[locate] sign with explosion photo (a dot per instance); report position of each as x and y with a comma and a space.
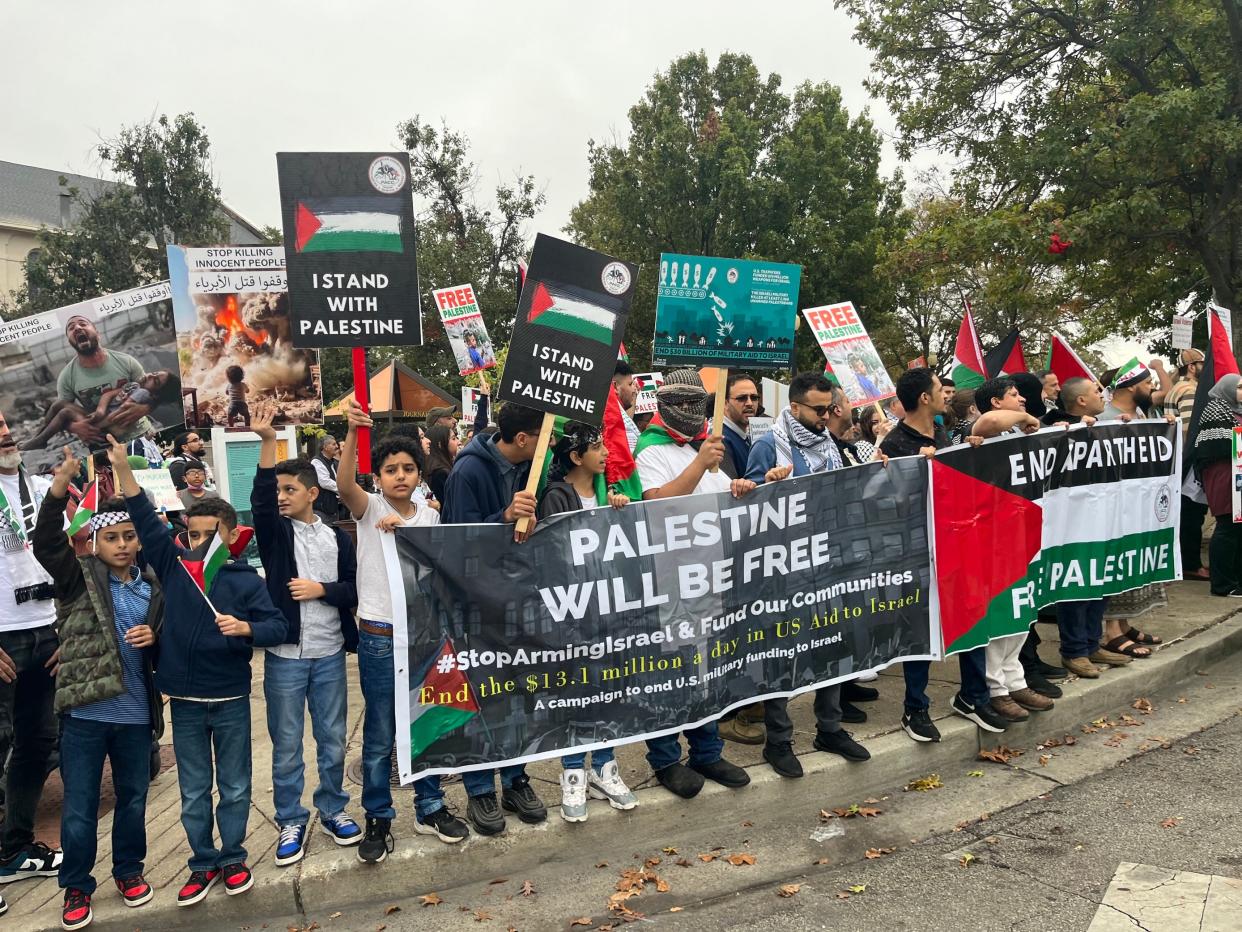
231, 305
71, 376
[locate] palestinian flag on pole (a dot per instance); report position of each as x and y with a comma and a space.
570, 315
1006, 358
1065, 363
623, 355
204, 562
1220, 341
86, 509
349, 224
969, 369
441, 700
1022, 523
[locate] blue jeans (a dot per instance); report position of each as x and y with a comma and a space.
84, 745
289, 686
478, 782
578, 761
973, 667
705, 742
1081, 625
198, 727
379, 731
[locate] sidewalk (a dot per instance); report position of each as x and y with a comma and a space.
1196, 627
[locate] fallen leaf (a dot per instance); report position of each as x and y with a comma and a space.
1070, 739
874, 853
930, 782
1191, 749
380, 928
1171, 822
858, 888
669, 850
789, 889
528, 888
682, 862
498, 880
661, 885
582, 921
820, 861
336, 915
718, 848
871, 801
869, 812
707, 858
843, 895
825, 815
967, 859
653, 861
1001, 754
431, 899
1043, 759
1143, 705
737, 860
675, 909
617, 899
748, 824
974, 773
961, 825
602, 864
481, 916
389, 910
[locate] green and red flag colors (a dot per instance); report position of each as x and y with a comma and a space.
86, 509
1220, 341
563, 313
442, 700
1065, 363
349, 224
1021, 523
969, 369
203, 562
1006, 357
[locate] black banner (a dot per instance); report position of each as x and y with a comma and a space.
612, 625
350, 248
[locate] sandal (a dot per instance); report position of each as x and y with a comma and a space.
1142, 637
1118, 645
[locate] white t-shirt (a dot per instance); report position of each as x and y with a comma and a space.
316, 554
659, 465
18, 566
374, 597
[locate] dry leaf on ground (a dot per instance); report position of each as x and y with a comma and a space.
528, 888
789, 889
1171, 822
821, 861
389, 910
858, 888
1001, 754
481, 915
737, 860
873, 853
498, 880
675, 909
682, 862
669, 850
967, 859
974, 773
582, 921
1143, 705
1043, 759
707, 858
430, 899
336, 915
930, 782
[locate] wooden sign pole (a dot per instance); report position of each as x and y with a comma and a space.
722, 391
362, 394
536, 466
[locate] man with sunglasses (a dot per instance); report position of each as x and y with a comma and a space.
741, 404
800, 444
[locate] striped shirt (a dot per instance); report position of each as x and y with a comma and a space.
130, 601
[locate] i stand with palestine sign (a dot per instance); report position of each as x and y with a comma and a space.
350, 248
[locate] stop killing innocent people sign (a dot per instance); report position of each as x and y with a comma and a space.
350, 248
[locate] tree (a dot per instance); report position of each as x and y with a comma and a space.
165, 195
718, 161
1117, 124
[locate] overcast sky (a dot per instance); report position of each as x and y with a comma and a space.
529, 83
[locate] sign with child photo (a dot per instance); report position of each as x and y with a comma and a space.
851, 356
462, 319
73, 375
570, 320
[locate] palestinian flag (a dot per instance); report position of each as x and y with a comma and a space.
1220, 341
620, 469
204, 562
85, 510
349, 224
1065, 363
571, 315
441, 700
969, 369
1006, 358
623, 354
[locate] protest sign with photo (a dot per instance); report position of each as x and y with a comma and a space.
76, 374
852, 359
727, 313
234, 338
349, 231
646, 383
613, 625
569, 323
463, 325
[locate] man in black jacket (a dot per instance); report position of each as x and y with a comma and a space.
311, 570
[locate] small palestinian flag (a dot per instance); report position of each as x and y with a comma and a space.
204, 562
969, 369
570, 315
623, 355
441, 700
1065, 363
1006, 358
86, 509
349, 224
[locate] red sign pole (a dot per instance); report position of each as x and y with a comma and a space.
362, 394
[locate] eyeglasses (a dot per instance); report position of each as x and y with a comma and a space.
745, 398
820, 410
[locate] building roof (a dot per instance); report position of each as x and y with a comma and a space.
398, 389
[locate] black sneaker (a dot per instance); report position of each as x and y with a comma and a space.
680, 780
34, 860
1046, 670
843, 743
377, 841
919, 726
724, 773
1042, 686
851, 713
485, 815
444, 825
783, 760
853, 691
521, 799
981, 715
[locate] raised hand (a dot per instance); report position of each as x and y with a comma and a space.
261, 420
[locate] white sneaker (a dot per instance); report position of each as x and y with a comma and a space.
573, 796
607, 784
868, 677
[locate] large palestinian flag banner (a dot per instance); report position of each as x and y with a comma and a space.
1024, 522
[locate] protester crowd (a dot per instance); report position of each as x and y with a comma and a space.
87, 658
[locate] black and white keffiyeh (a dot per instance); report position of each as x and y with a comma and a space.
819, 451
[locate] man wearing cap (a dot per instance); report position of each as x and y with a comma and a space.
446, 416
94, 369
1181, 401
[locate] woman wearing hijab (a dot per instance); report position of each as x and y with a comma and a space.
1213, 459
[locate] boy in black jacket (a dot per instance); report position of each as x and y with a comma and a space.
311, 570
204, 669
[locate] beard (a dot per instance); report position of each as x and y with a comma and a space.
86, 346
11, 459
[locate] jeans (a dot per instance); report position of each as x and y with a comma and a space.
28, 727
779, 725
479, 782
198, 727
973, 667
85, 744
1225, 553
1190, 534
599, 758
705, 742
289, 686
379, 731
1082, 626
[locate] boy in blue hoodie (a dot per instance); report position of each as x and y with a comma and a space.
204, 669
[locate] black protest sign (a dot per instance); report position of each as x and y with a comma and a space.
614, 625
350, 248
570, 319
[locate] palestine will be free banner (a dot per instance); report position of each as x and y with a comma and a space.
1057, 516
613, 625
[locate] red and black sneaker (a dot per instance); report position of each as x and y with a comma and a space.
237, 878
196, 887
77, 912
134, 890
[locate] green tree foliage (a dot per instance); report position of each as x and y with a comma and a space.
719, 161
1115, 124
